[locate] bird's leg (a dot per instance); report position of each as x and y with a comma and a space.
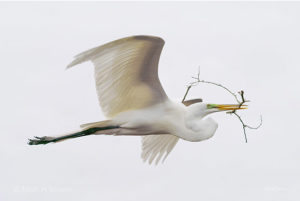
47, 139
41, 140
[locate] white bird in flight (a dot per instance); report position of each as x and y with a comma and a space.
134, 102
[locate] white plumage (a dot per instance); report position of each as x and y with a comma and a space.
157, 146
126, 73
130, 64
133, 100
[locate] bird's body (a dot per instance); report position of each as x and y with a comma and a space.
165, 118
134, 102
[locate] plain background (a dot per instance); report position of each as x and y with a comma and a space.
249, 46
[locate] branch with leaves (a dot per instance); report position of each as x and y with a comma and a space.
240, 99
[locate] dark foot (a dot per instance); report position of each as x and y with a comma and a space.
40, 140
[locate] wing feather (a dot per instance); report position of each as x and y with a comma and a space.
126, 73
157, 146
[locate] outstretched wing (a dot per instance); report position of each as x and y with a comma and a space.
157, 146
126, 73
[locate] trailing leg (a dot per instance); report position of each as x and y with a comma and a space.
89, 131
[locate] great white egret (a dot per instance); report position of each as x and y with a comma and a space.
134, 102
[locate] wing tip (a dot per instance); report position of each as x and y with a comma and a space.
192, 101
73, 63
84, 56
77, 60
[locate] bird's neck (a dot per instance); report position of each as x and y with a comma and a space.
200, 127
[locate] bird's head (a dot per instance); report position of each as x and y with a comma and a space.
196, 120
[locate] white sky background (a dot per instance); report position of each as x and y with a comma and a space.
249, 46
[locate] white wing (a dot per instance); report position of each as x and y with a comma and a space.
126, 73
157, 146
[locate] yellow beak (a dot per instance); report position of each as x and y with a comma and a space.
231, 107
